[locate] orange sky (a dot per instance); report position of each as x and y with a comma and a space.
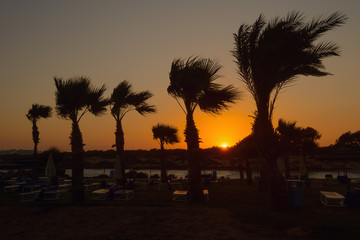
115, 40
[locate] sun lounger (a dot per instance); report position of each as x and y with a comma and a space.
100, 194
65, 187
124, 195
181, 195
332, 199
92, 186
54, 195
30, 188
12, 188
30, 196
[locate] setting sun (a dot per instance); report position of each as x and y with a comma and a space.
224, 145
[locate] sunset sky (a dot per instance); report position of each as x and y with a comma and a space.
110, 41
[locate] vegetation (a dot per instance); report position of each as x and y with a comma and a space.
295, 140
349, 139
269, 56
35, 113
192, 81
245, 152
74, 98
123, 100
165, 134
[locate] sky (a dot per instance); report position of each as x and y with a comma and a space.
112, 41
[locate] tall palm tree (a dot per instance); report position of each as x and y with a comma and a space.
192, 81
74, 98
35, 113
165, 134
123, 100
270, 55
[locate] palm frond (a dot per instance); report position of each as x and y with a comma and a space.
218, 98
75, 97
38, 111
165, 133
270, 55
97, 102
124, 99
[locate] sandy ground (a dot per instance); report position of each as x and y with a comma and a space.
119, 222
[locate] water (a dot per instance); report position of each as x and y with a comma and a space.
220, 173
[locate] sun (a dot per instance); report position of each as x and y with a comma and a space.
224, 146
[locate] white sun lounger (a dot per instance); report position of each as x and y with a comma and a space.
29, 196
100, 194
181, 195
332, 199
55, 195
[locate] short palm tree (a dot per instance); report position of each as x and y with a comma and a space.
192, 81
165, 134
296, 141
288, 136
35, 113
270, 55
74, 98
123, 100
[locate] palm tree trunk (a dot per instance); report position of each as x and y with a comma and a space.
120, 143
267, 147
194, 169
77, 148
35, 135
162, 163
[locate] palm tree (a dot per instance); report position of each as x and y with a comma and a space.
35, 113
192, 81
308, 144
269, 56
165, 134
288, 136
123, 100
295, 140
74, 98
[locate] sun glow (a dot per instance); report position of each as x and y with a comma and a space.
224, 145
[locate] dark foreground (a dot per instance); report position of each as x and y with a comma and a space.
235, 211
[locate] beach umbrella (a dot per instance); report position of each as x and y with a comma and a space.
117, 168
50, 170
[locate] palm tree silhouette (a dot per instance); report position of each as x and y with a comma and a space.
193, 82
288, 135
35, 113
269, 56
74, 98
123, 100
165, 134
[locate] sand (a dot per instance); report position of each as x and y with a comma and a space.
119, 222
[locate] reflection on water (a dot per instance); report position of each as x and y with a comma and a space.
220, 173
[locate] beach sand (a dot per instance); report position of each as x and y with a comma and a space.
119, 222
